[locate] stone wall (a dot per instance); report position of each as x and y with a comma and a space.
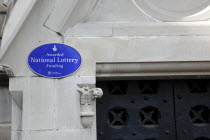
122, 31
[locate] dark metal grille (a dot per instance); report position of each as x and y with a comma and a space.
117, 88
192, 109
198, 86
199, 114
202, 138
118, 117
148, 87
149, 116
154, 110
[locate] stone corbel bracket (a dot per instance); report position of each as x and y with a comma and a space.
7, 70
87, 100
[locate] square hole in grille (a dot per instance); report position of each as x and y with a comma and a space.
118, 87
148, 87
149, 116
198, 86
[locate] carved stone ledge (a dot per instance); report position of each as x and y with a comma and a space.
87, 100
7, 70
160, 70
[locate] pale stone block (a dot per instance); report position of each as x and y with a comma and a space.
38, 107
179, 10
98, 29
68, 102
5, 131
2, 21
161, 29
139, 49
86, 134
60, 14
89, 30
74, 134
31, 35
68, 107
17, 110
37, 135
118, 11
5, 105
38, 104
16, 135
47, 104
14, 84
63, 16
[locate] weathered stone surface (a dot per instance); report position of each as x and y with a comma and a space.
31, 35
138, 29
74, 134
179, 10
139, 49
116, 31
5, 105
38, 106
16, 135
162, 29
67, 102
118, 11
90, 30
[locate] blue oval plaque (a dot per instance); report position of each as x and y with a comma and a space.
54, 60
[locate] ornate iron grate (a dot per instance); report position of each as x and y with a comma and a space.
149, 116
198, 86
202, 138
117, 117
199, 114
117, 88
148, 87
154, 110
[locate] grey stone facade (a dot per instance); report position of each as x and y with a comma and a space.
120, 39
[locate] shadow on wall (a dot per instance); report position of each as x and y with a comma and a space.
5, 108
